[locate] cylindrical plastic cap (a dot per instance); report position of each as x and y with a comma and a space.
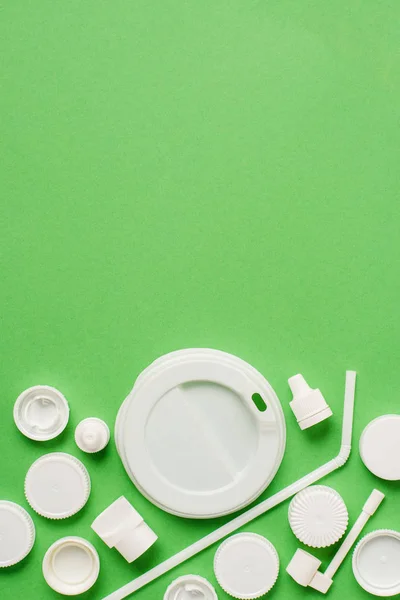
308, 405
246, 566
92, 435
71, 566
41, 413
120, 526
190, 586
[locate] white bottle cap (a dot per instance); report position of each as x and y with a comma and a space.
41, 413
92, 435
71, 566
380, 447
318, 516
308, 405
190, 587
120, 526
376, 563
57, 485
246, 566
303, 567
17, 533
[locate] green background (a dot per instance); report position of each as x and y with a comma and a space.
183, 174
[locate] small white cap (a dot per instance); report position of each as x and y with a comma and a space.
318, 516
380, 447
92, 435
376, 563
308, 405
246, 566
71, 566
303, 567
57, 485
120, 526
190, 586
41, 413
17, 533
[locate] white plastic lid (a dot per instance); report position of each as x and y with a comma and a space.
192, 438
318, 516
71, 566
57, 485
376, 563
41, 413
17, 533
120, 526
92, 435
190, 587
380, 447
246, 566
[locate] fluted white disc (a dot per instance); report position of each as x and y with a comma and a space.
318, 516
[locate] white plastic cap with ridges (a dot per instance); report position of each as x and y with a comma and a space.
57, 485
120, 526
246, 566
308, 405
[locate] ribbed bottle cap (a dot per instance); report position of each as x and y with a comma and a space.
57, 485
246, 566
41, 413
17, 533
318, 516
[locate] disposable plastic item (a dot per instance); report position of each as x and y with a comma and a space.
246, 566
255, 511
376, 563
57, 485
192, 438
41, 413
92, 435
380, 447
303, 567
17, 533
120, 526
318, 516
308, 405
190, 587
71, 566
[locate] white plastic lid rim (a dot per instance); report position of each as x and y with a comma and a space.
41, 413
186, 412
190, 587
71, 566
17, 533
376, 563
318, 516
57, 485
120, 526
92, 435
246, 566
380, 447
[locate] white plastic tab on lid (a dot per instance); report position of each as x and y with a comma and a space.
17, 533
57, 485
246, 566
376, 563
92, 435
190, 587
71, 566
318, 516
308, 405
41, 413
380, 447
120, 526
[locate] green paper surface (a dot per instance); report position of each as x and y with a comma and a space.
197, 174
